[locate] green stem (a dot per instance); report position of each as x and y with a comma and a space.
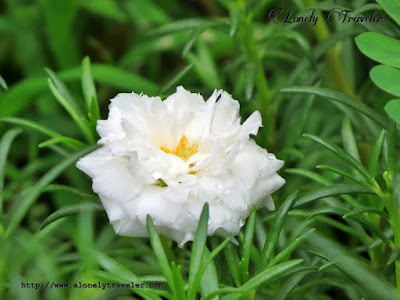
393, 211
332, 56
264, 95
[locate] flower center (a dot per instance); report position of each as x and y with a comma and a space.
184, 150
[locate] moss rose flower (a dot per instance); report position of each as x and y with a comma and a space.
168, 158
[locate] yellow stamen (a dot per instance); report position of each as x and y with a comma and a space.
184, 150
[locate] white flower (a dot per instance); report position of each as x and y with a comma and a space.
168, 158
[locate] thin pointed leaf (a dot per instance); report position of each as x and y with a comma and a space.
349, 141
199, 244
3, 83
174, 80
5, 144
246, 247
60, 187
341, 98
309, 174
270, 274
209, 280
70, 210
393, 256
193, 38
290, 284
71, 143
63, 90
120, 273
28, 199
376, 151
160, 254
63, 140
347, 158
367, 209
178, 279
185, 24
235, 15
373, 286
391, 149
358, 218
73, 113
232, 260
89, 91
289, 249
250, 79
274, 232
332, 190
346, 175
206, 263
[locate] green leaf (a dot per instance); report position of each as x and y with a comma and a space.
246, 247
358, 218
119, 273
370, 283
59, 17
205, 66
105, 8
309, 174
232, 260
250, 78
5, 144
391, 149
3, 83
199, 244
174, 80
207, 261
235, 15
285, 253
209, 280
392, 8
66, 188
393, 109
89, 91
196, 33
70, 142
393, 256
269, 275
120, 78
73, 113
347, 158
332, 190
387, 78
29, 198
160, 254
274, 232
21, 94
178, 279
183, 25
376, 151
62, 140
349, 141
70, 210
63, 90
344, 174
341, 98
290, 283
379, 47
365, 210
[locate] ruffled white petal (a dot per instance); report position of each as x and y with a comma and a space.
168, 158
